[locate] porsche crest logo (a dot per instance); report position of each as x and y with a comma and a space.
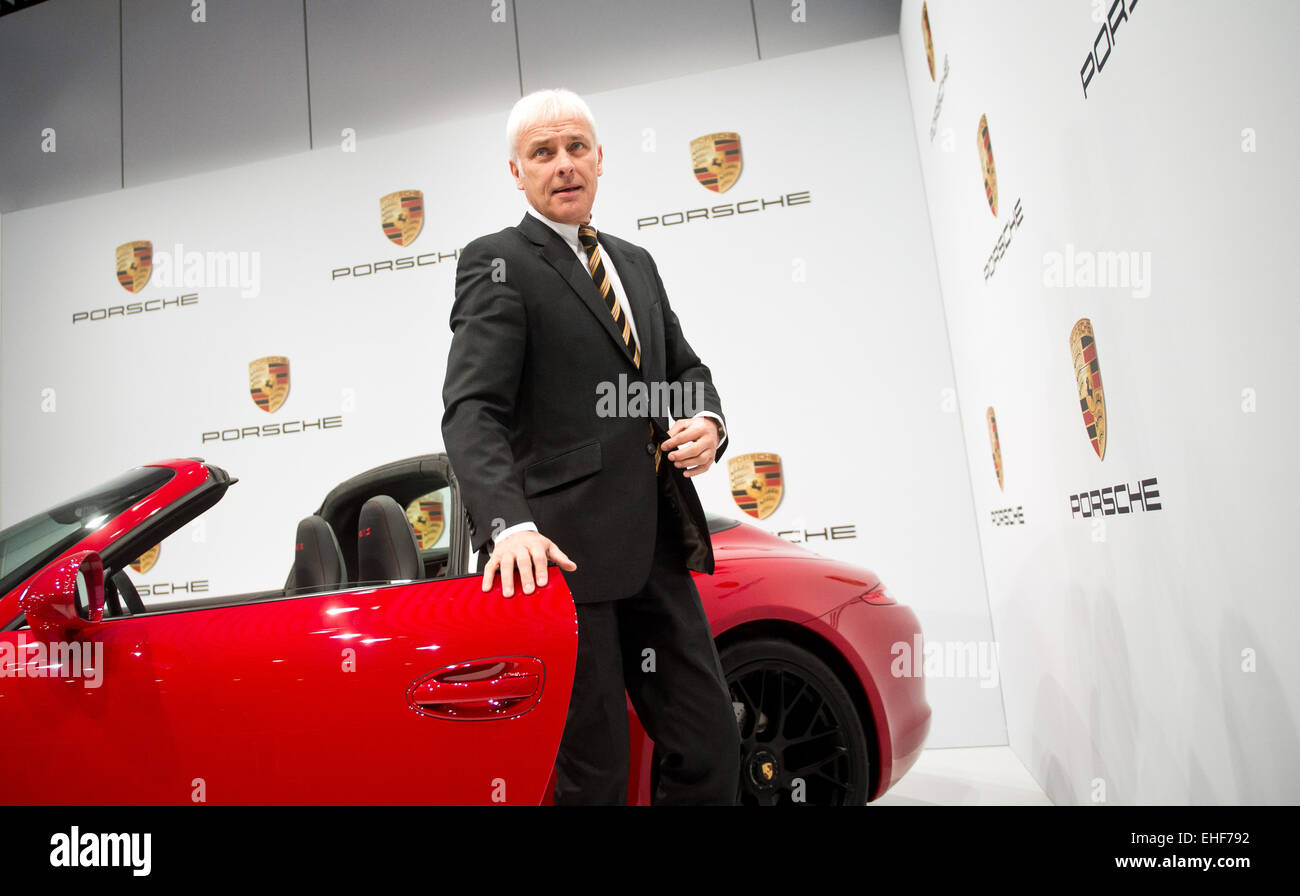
756, 483
986, 162
716, 160
134, 264
402, 215
929, 42
1087, 371
997, 448
268, 382
145, 561
425, 514
768, 770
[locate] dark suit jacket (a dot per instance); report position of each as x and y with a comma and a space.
532, 341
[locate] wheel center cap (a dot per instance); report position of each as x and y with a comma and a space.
764, 770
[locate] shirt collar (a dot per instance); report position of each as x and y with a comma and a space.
569, 232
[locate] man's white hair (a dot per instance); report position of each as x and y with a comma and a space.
542, 106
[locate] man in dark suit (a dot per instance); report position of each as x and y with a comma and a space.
550, 316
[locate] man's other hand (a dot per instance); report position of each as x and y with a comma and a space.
698, 441
527, 552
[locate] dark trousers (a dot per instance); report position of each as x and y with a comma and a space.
655, 645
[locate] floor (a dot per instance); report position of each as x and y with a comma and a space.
966, 776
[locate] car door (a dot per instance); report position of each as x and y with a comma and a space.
422, 692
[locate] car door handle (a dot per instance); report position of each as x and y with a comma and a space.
493, 688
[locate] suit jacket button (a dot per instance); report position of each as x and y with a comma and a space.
650, 448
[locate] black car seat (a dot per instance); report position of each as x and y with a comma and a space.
386, 545
317, 558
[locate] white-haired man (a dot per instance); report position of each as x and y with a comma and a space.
547, 314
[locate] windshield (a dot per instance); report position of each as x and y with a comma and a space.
27, 546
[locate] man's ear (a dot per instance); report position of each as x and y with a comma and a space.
514, 170
600, 160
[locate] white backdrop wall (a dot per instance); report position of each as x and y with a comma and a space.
819, 315
1147, 657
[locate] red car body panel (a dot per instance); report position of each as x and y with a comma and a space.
864, 634
760, 577
260, 702
264, 703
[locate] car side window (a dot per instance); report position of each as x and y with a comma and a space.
428, 514
127, 589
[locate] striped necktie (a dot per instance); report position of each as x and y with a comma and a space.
596, 266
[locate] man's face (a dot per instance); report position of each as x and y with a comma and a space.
557, 170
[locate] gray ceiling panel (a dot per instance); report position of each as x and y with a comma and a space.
590, 46
59, 69
389, 65
213, 94
194, 96
825, 23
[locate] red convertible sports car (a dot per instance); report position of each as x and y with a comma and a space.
382, 673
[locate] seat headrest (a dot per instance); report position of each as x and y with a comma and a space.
317, 557
386, 545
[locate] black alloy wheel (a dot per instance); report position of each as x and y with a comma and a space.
801, 739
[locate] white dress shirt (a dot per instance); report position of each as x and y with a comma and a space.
570, 234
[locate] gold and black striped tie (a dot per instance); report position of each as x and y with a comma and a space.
595, 265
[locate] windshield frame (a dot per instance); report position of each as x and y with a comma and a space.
108, 500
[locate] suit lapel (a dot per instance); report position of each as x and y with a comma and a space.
551, 246
632, 276
638, 288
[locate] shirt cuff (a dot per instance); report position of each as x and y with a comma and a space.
517, 527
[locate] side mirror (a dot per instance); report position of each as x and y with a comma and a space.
65, 597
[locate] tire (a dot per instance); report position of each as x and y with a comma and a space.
814, 737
